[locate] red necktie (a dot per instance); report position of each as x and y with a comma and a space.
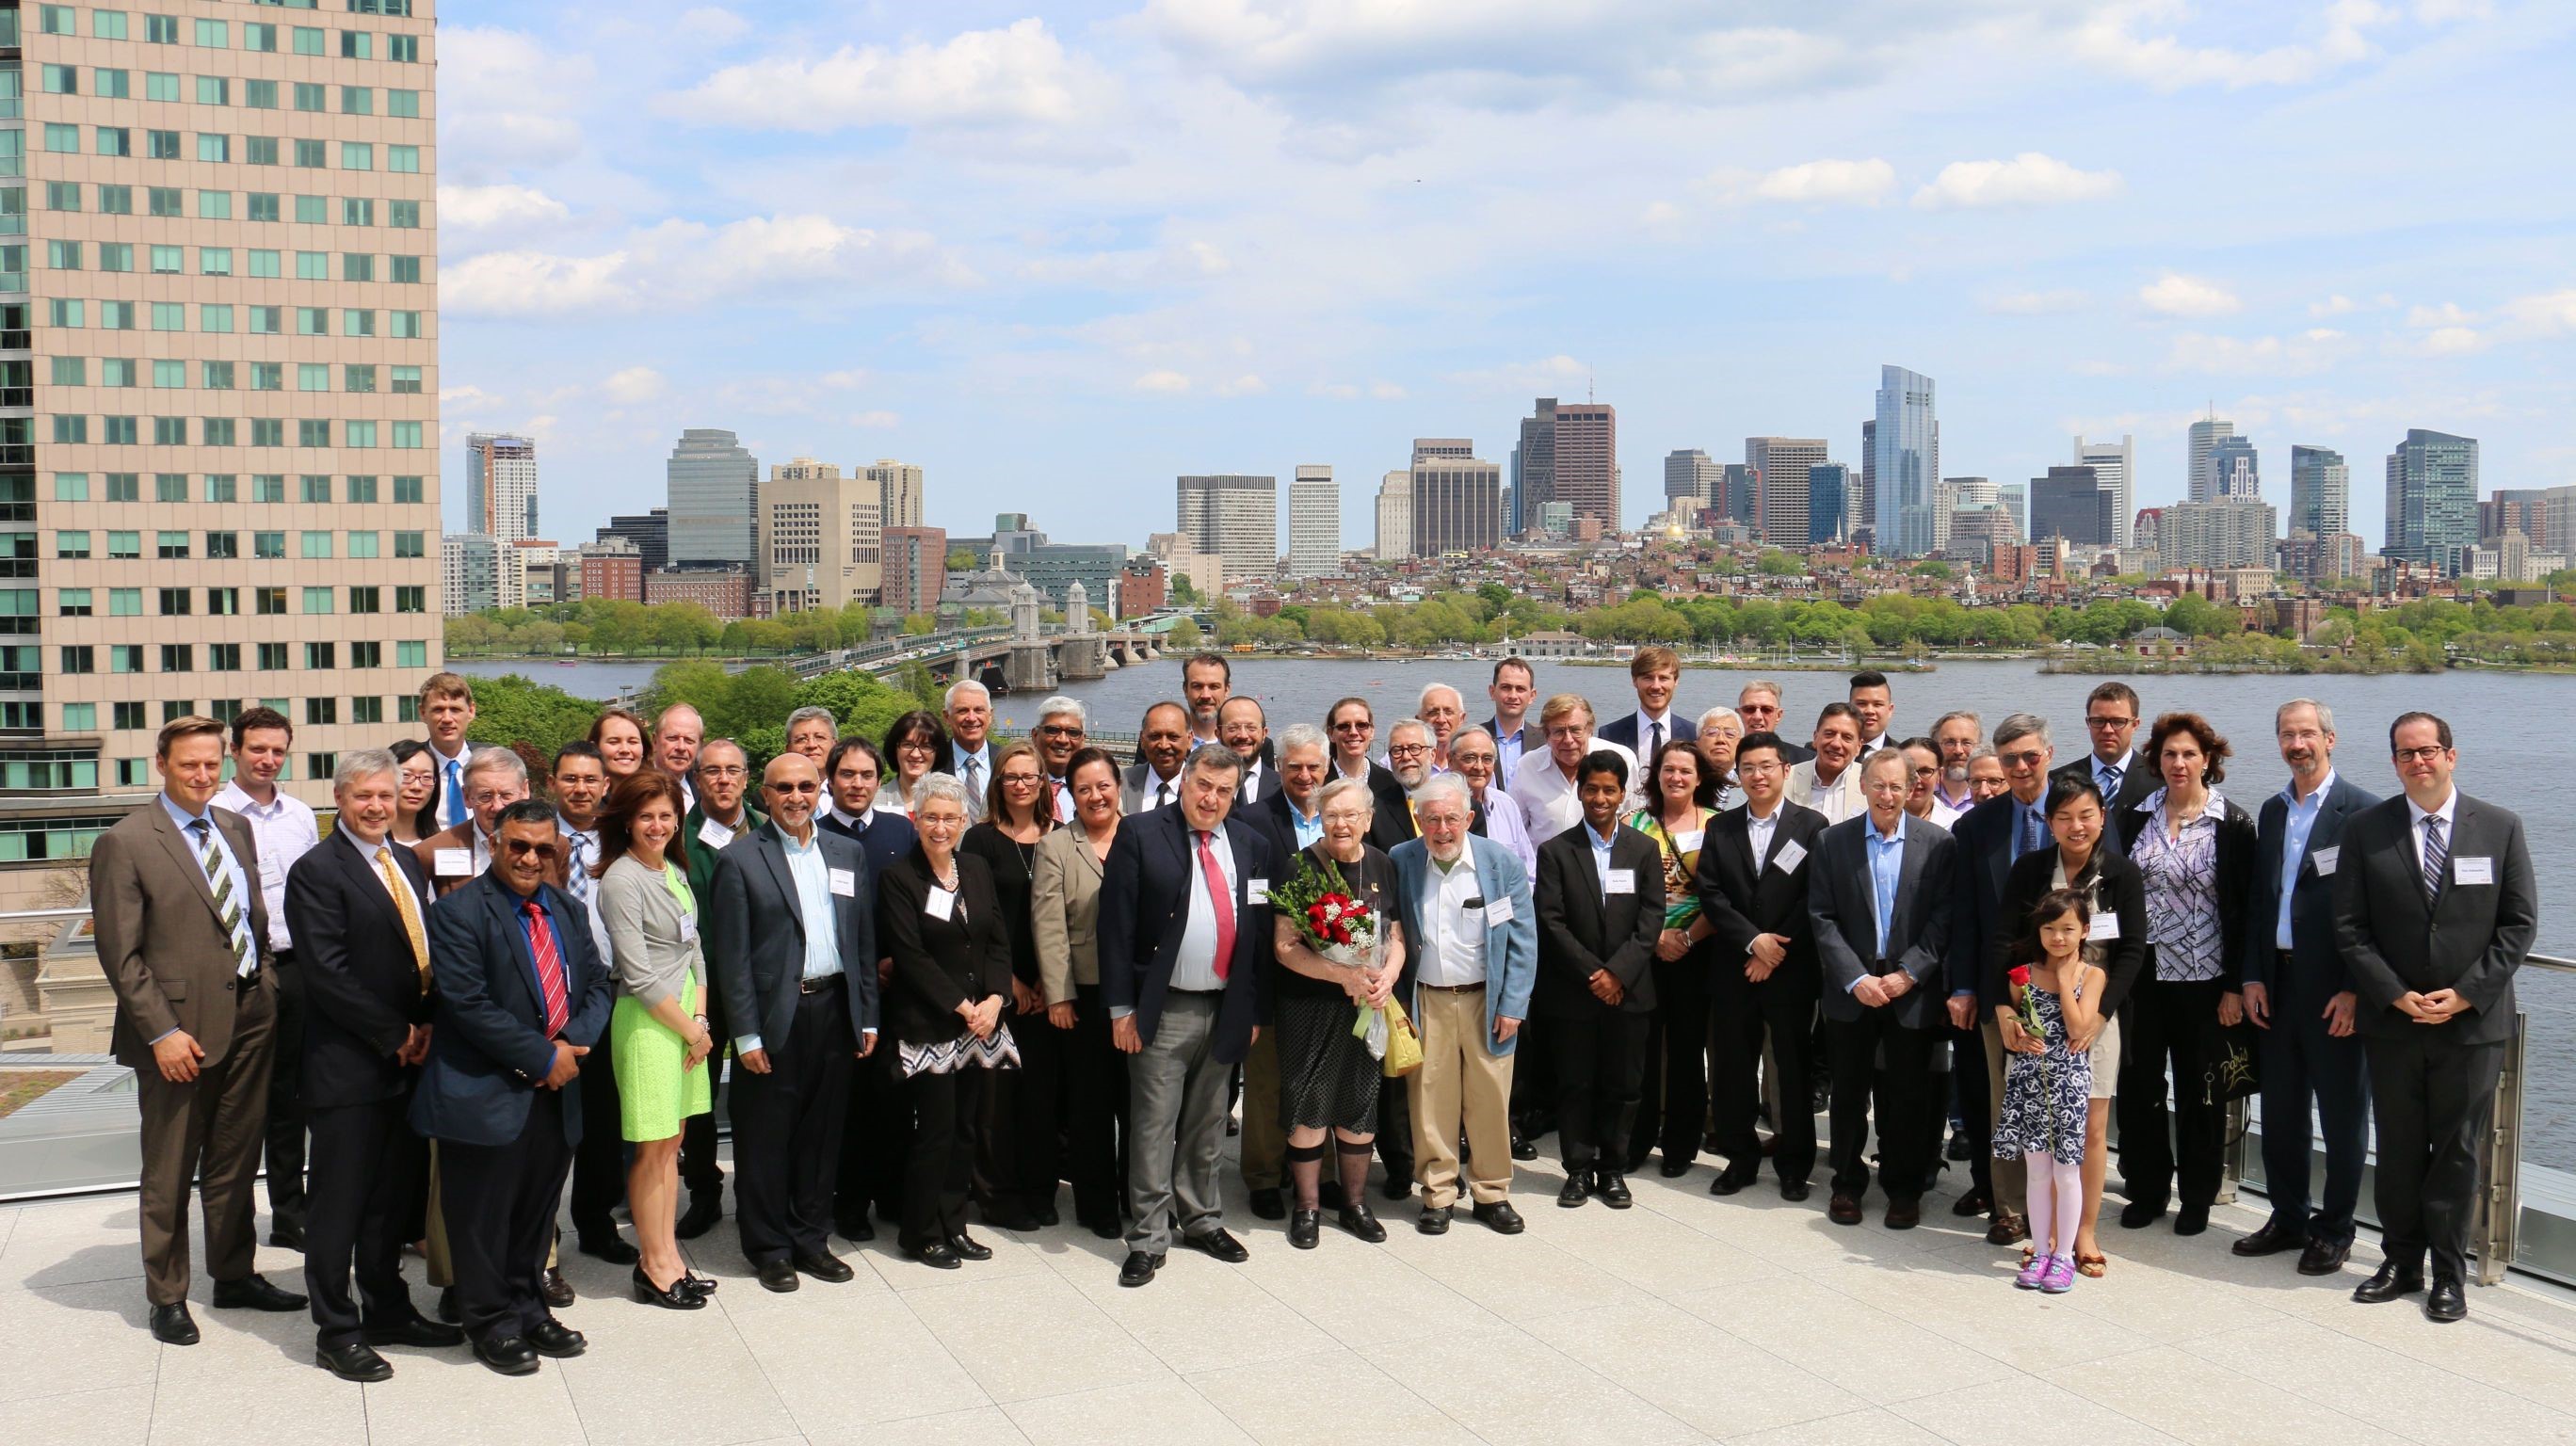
550, 972
1223, 900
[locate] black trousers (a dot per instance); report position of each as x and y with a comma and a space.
369, 1174
499, 1202
1968, 1084
2299, 1061
876, 1136
941, 1161
1742, 1012
1600, 1067
599, 1162
1879, 1066
787, 1127
1395, 1129
1023, 1147
2432, 1100
1096, 1114
700, 1173
282, 1139
1534, 1079
1672, 1110
2185, 1144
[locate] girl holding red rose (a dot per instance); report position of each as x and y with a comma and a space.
2047, 1085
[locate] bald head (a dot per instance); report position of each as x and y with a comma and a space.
791, 787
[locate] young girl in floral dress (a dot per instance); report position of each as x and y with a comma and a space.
2046, 1084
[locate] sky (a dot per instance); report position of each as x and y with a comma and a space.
1059, 254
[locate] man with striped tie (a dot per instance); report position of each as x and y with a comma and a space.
182, 935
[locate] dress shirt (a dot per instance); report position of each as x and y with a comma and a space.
2415, 816
1356, 775
1886, 863
2102, 772
1601, 853
1959, 805
1454, 955
1868, 746
974, 769
1648, 726
1546, 795
1507, 751
527, 930
283, 829
188, 823
2030, 826
1310, 826
1838, 800
1757, 832
581, 851
2298, 820
1505, 824
1194, 965
1251, 781
814, 901
1062, 792
396, 886
451, 773
1943, 814
1159, 792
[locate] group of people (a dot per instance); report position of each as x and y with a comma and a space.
946, 970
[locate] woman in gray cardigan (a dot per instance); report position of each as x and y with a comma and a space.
1064, 912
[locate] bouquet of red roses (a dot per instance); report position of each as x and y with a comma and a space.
1333, 922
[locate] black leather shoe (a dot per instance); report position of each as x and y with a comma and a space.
1794, 1191
1673, 1167
1395, 1186
1047, 1218
447, 1307
2191, 1220
2445, 1303
2391, 1281
777, 1275
857, 1232
822, 1265
253, 1292
1305, 1228
1219, 1245
1576, 1191
936, 1255
1975, 1202
173, 1326
287, 1236
611, 1248
967, 1247
1522, 1149
558, 1340
556, 1291
1962, 1149
2272, 1238
1730, 1181
1357, 1220
1434, 1220
1106, 1227
356, 1361
510, 1355
704, 1211
1139, 1269
1612, 1187
1843, 1209
1269, 1205
1903, 1214
1500, 1218
1011, 1217
418, 1331
2139, 1214
2324, 1258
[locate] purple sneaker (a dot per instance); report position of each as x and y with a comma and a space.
2061, 1275
2033, 1273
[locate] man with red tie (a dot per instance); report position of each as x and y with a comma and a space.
522, 996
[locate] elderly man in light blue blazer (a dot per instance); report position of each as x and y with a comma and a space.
1473, 957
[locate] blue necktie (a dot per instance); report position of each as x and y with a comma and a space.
455, 791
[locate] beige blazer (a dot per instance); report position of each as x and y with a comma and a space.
1064, 911
159, 939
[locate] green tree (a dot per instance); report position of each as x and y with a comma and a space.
1185, 635
961, 560
511, 710
1775, 563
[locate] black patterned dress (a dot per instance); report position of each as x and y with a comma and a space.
1327, 1077
2046, 1096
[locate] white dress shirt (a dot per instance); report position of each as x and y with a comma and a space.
2415, 816
1251, 781
1454, 955
1505, 824
283, 828
1194, 966
1546, 795
1647, 723
1758, 831
1838, 800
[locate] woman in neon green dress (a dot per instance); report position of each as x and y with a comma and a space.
1674, 1109
658, 1035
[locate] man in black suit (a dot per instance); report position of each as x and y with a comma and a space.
2298, 992
1988, 838
2111, 717
1880, 907
791, 942
874, 1133
1600, 909
522, 996
2435, 908
1409, 746
1517, 735
1155, 781
1292, 820
356, 904
1754, 864
1245, 731
1184, 942
1655, 672
1758, 704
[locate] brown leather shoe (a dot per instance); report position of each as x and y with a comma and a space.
1843, 1209
2007, 1229
1903, 1214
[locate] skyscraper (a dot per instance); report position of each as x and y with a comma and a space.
146, 604
1736, 493
1233, 517
649, 531
1780, 467
1586, 473
821, 538
1395, 516
1866, 501
2014, 497
1314, 523
1457, 506
2232, 471
899, 491
1906, 445
1691, 480
500, 486
2320, 492
1443, 447
1828, 488
2432, 499
2071, 503
714, 487
2206, 433
2228, 532
2115, 466
1534, 466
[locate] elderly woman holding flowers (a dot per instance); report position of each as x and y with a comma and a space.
1339, 952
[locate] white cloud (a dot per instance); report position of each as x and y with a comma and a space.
1545, 374
2313, 350
507, 101
875, 419
680, 262
477, 208
2548, 314
2448, 314
1386, 391
712, 22
2034, 303
1246, 385
1168, 382
2453, 341
634, 386
982, 77
2335, 305
2029, 179
2166, 62
2175, 294
534, 283
1828, 182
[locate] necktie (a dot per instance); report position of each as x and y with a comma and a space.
1164, 798
577, 866
550, 970
2436, 853
405, 905
2111, 774
1222, 900
228, 906
455, 813
1656, 732
2027, 836
974, 778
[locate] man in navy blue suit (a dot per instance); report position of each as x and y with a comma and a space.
1655, 672
522, 996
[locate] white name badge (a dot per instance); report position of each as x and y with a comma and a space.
454, 863
845, 883
2106, 927
1256, 891
1688, 842
2467, 870
688, 928
1619, 881
2325, 860
1498, 911
1790, 855
714, 835
940, 904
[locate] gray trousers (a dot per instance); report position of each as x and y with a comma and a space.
1177, 1107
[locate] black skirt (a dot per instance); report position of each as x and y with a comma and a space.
1328, 1080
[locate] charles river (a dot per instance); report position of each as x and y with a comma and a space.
2516, 749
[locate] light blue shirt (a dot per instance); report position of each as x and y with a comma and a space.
1886, 865
813, 900
2030, 826
1601, 854
2298, 821
243, 946
1194, 963
1310, 826
2102, 775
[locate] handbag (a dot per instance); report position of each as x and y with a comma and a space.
1403, 1046
2234, 1072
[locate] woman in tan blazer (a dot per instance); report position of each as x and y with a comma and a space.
1064, 911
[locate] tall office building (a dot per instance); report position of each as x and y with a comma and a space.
915, 568
2206, 433
899, 488
469, 572
1953, 496
2233, 473
2115, 466
2228, 532
178, 576
2320, 492
1235, 518
1780, 466
1829, 491
1692, 480
1533, 467
1586, 474
2432, 499
649, 531
1865, 501
1395, 516
1457, 506
500, 486
714, 500
1736, 494
1442, 447
1906, 447
2071, 503
2014, 497
821, 536
1314, 523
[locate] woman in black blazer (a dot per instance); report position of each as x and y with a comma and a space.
2118, 948
939, 920
2195, 855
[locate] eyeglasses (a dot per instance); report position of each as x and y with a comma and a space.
2421, 755
1758, 770
1059, 730
518, 846
914, 747
2100, 722
1470, 760
729, 771
1019, 780
1349, 725
2030, 759
802, 786
1407, 750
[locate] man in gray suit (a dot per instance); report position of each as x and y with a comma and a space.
1879, 893
791, 940
1165, 742
182, 934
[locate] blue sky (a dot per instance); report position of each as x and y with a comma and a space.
1059, 254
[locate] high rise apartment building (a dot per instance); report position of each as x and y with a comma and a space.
916, 568
2320, 492
899, 486
1586, 472
2205, 434
2432, 499
1395, 516
1780, 466
1905, 444
2115, 468
219, 215
500, 485
1314, 523
1235, 518
1457, 506
820, 535
714, 495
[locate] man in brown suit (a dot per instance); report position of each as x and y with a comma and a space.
182, 934
495, 778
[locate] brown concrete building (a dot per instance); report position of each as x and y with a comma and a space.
820, 535
725, 593
612, 570
1587, 463
915, 568
1143, 586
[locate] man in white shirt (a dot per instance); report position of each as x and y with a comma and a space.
1062, 725
1165, 741
1246, 733
1655, 672
1493, 814
1443, 710
495, 778
1513, 689
1829, 783
969, 711
447, 710
1544, 786
676, 736
284, 827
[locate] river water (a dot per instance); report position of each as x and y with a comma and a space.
2515, 750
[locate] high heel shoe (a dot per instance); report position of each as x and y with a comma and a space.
683, 1295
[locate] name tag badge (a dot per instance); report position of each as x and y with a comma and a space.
1256, 891
845, 883
714, 835
1619, 881
940, 904
1790, 855
454, 863
688, 929
1498, 911
1688, 842
2324, 860
2106, 928
2467, 870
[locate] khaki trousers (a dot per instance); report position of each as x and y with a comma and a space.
1461, 1081
2011, 1177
